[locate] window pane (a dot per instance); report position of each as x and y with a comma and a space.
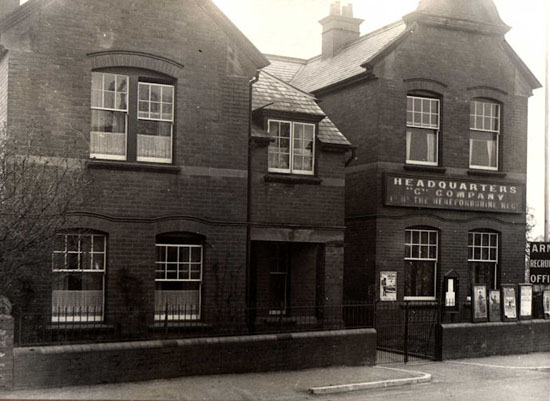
172, 254
144, 91
184, 254
72, 261
108, 134
155, 93
161, 254
195, 254
421, 145
483, 149
154, 139
109, 82
72, 242
167, 94
419, 278
99, 243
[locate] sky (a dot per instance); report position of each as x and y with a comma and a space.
291, 28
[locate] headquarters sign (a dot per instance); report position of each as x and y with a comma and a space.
539, 262
459, 194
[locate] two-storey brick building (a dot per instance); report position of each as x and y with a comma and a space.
436, 105
195, 211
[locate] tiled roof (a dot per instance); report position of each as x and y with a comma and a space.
319, 73
271, 93
284, 67
328, 133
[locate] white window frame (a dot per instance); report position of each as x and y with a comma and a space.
291, 169
409, 242
484, 129
91, 270
472, 247
125, 111
192, 316
171, 120
425, 126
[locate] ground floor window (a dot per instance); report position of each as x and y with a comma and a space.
483, 258
79, 264
420, 264
178, 279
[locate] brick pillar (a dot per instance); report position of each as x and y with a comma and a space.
6, 352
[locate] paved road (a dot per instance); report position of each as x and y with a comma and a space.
513, 378
471, 380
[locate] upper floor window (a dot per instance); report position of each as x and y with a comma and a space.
421, 256
132, 119
79, 263
422, 130
484, 134
293, 150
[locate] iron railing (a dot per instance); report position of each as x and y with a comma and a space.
86, 325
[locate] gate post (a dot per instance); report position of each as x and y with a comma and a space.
6, 344
406, 337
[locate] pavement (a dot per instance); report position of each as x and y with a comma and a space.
293, 385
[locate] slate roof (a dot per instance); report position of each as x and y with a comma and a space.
272, 93
284, 67
317, 73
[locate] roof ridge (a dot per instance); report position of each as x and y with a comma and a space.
285, 58
366, 36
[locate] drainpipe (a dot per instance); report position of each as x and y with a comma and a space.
352, 157
249, 315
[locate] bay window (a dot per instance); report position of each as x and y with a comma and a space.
484, 134
293, 150
422, 139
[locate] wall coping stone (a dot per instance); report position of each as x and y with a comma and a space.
151, 344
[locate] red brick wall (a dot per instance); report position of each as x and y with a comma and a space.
70, 365
458, 66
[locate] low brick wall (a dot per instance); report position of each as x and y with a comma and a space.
468, 340
133, 361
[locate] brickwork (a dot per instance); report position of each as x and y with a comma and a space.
486, 339
372, 115
52, 53
119, 362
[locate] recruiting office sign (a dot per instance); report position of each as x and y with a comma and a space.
539, 262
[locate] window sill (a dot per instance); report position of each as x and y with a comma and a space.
132, 166
292, 179
426, 169
183, 324
79, 326
486, 173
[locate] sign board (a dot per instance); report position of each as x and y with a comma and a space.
458, 194
388, 286
539, 262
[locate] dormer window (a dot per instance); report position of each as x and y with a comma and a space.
293, 150
422, 130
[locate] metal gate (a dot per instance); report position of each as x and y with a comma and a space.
406, 331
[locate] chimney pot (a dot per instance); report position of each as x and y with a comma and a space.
335, 8
347, 11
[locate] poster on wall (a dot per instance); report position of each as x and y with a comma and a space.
509, 311
494, 306
546, 303
479, 298
388, 286
525, 301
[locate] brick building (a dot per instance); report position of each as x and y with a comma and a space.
436, 105
157, 100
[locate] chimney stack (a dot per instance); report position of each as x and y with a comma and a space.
339, 29
7, 6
